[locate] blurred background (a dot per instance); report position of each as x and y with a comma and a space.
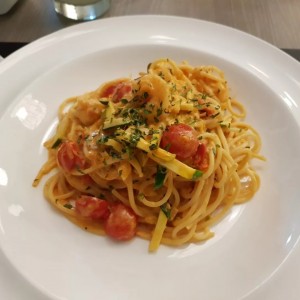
275, 21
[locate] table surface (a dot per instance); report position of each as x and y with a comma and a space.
275, 21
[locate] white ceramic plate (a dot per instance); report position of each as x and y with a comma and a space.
255, 252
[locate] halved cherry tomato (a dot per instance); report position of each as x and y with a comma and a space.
118, 91
92, 207
121, 223
68, 156
181, 140
200, 159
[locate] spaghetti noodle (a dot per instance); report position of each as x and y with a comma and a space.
163, 156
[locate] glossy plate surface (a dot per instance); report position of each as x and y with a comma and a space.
255, 252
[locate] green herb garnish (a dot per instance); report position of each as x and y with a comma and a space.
114, 154
160, 177
140, 196
103, 139
101, 196
57, 143
168, 146
80, 171
215, 115
153, 146
104, 102
147, 111
166, 210
124, 101
145, 95
159, 111
197, 174
68, 205
135, 137
79, 139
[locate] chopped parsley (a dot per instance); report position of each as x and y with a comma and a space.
197, 174
68, 205
168, 146
124, 101
153, 146
147, 111
135, 137
166, 210
114, 154
57, 143
80, 171
79, 139
160, 177
135, 116
128, 150
198, 106
104, 102
103, 139
145, 95
101, 196
215, 115
159, 111
140, 196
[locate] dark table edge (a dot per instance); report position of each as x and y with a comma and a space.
8, 48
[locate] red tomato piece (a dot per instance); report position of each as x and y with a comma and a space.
181, 140
200, 159
118, 91
121, 223
92, 207
68, 156
122, 90
109, 91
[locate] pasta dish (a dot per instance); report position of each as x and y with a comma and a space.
163, 156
